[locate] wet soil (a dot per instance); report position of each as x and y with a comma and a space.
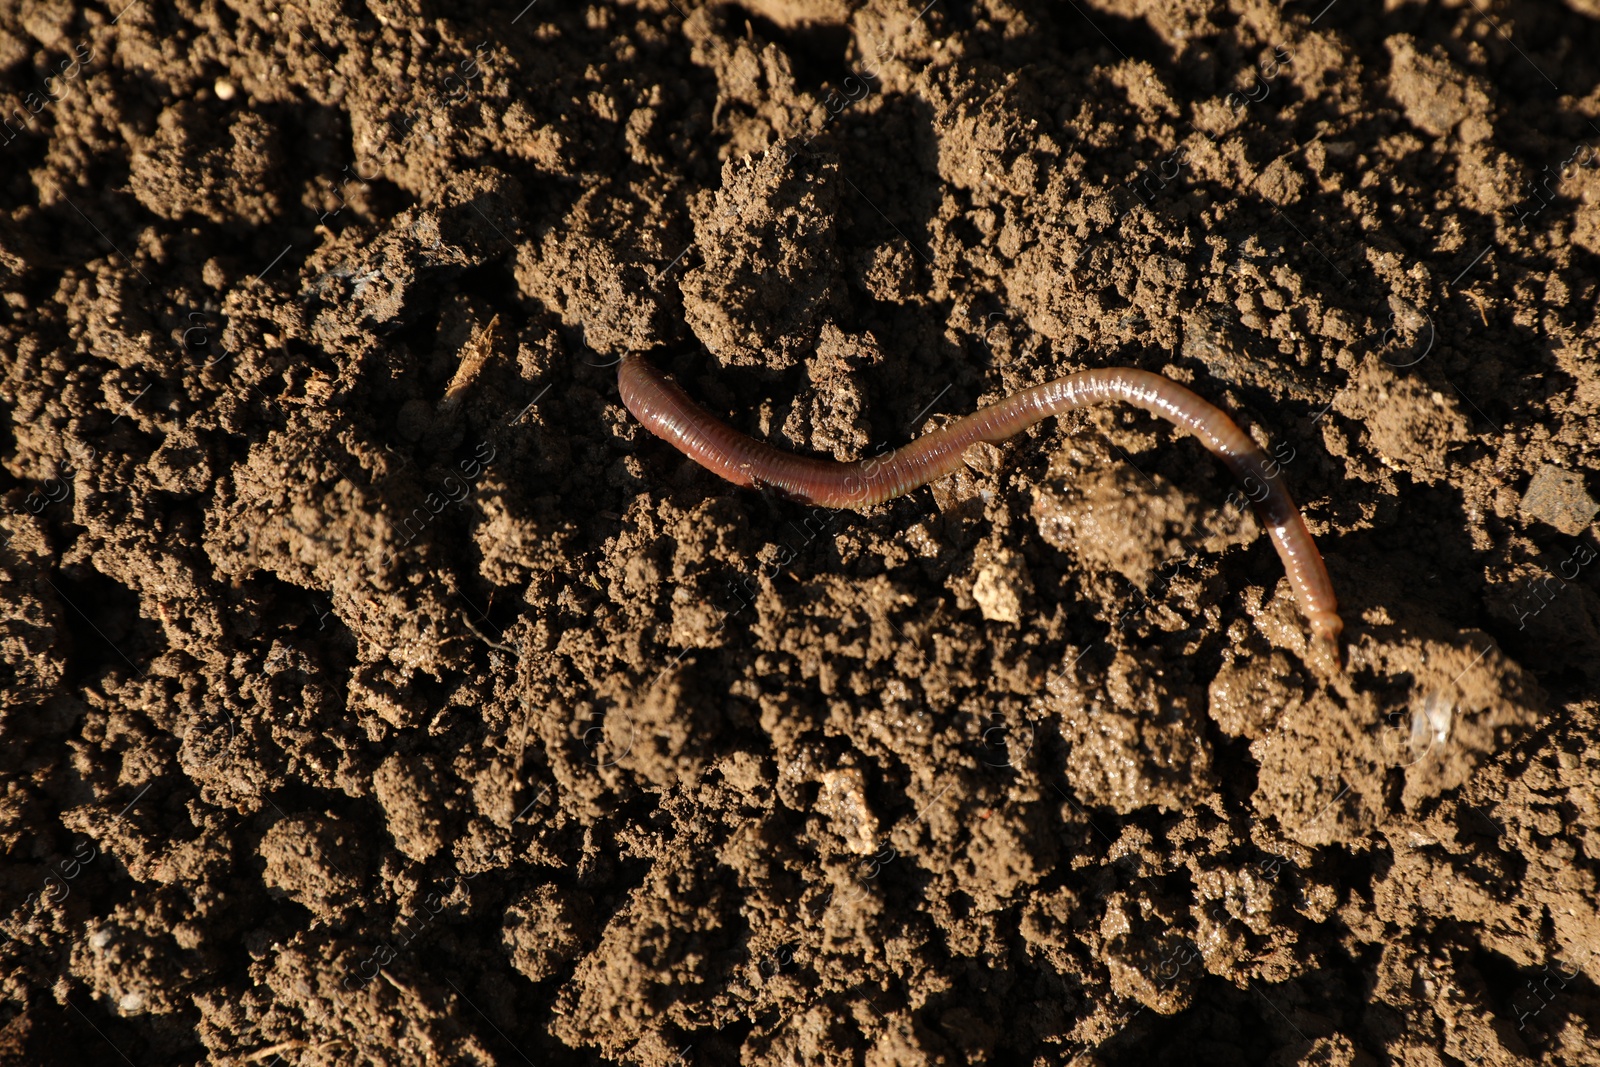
373, 689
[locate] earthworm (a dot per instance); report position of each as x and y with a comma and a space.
667, 411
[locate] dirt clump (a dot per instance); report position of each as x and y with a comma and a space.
374, 689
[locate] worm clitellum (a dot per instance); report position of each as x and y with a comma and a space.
666, 411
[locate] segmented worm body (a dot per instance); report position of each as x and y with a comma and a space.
667, 411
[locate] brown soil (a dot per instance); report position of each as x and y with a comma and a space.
375, 690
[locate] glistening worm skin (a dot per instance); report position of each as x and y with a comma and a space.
666, 411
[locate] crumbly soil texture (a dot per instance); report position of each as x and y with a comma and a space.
375, 690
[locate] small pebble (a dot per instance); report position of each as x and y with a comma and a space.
1559, 498
224, 89
1430, 724
843, 800
999, 587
